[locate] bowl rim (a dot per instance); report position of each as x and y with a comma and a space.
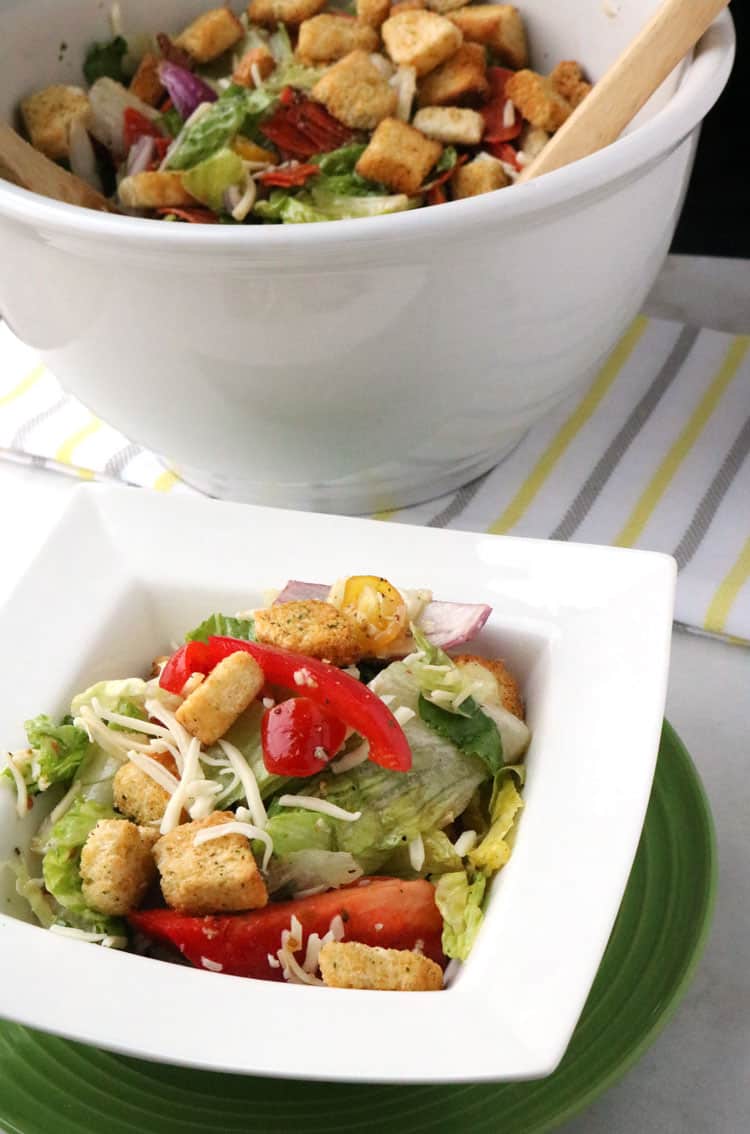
700, 86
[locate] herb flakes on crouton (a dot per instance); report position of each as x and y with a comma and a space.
219, 875
310, 627
349, 964
117, 867
214, 706
47, 116
137, 795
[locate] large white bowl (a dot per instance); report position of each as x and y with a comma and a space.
587, 629
360, 364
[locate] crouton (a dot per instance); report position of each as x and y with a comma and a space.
153, 190
137, 795
506, 690
355, 92
47, 116
408, 6
291, 12
210, 35
259, 60
348, 964
444, 6
451, 125
117, 867
331, 36
497, 26
373, 12
149, 837
217, 876
567, 79
462, 79
146, 84
399, 156
310, 627
537, 100
214, 706
481, 175
422, 40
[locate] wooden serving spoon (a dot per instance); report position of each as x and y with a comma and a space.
613, 102
27, 167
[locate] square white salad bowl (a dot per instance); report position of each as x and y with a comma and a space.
587, 630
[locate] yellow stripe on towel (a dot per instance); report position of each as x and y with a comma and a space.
25, 384
166, 481
662, 478
570, 430
727, 592
65, 453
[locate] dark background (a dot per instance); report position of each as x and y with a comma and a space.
716, 217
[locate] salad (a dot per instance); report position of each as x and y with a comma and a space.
314, 791
299, 111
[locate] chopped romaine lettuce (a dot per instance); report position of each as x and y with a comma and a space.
171, 121
494, 850
126, 707
238, 109
439, 858
346, 206
62, 861
105, 60
460, 903
55, 753
32, 891
446, 161
209, 180
292, 74
110, 694
341, 161
288, 208
476, 734
223, 626
281, 45
296, 830
312, 870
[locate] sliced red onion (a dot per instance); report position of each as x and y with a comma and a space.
82, 156
141, 154
446, 624
185, 89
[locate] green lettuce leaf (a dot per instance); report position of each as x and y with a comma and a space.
245, 736
237, 109
105, 60
293, 831
312, 869
439, 858
31, 891
361, 203
110, 694
292, 73
460, 903
473, 731
281, 45
55, 753
494, 850
62, 862
341, 161
288, 209
171, 121
446, 161
223, 626
209, 180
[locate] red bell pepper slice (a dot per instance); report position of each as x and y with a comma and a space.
375, 911
299, 737
337, 692
437, 195
493, 111
505, 152
288, 178
137, 125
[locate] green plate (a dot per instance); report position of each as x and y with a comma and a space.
49, 1084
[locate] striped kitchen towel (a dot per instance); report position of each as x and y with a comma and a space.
655, 454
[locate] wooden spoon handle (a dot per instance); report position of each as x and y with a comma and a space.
614, 101
27, 167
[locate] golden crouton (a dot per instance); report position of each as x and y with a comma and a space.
408, 6
462, 79
258, 60
348, 964
444, 6
332, 36
149, 837
508, 689
117, 867
47, 116
310, 627
154, 189
497, 26
215, 704
481, 175
422, 40
451, 125
537, 100
137, 795
373, 12
291, 12
567, 79
213, 33
217, 876
356, 92
146, 84
399, 156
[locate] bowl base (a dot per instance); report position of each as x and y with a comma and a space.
377, 490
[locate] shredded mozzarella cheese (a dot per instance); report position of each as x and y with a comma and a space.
404, 714
311, 803
179, 798
22, 793
304, 677
246, 776
464, 843
416, 852
352, 759
152, 768
132, 724
509, 113
108, 940
246, 201
212, 966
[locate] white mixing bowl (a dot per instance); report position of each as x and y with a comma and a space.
349, 365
